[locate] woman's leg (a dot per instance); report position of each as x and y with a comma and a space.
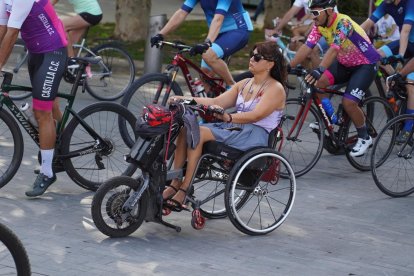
75, 27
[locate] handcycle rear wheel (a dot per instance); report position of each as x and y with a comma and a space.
393, 169
304, 151
270, 197
11, 147
90, 169
13, 251
377, 113
112, 76
107, 212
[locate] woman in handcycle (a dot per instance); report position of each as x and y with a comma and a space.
259, 102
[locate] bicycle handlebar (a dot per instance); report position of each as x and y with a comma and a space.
176, 45
192, 104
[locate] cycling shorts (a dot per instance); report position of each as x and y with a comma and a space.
90, 18
228, 43
46, 71
393, 48
359, 78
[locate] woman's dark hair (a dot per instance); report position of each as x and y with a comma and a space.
270, 51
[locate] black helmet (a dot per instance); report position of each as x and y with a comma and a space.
321, 3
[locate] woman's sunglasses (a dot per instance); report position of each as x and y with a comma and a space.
258, 57
316, 13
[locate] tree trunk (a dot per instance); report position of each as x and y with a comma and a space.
273, 9
131, 18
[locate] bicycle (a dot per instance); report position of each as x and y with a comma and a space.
312, 130
255, 188
96, 149
13, 255
107, 80
393, 171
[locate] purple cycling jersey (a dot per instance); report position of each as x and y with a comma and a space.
40, 27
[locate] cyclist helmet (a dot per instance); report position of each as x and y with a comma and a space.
321, 3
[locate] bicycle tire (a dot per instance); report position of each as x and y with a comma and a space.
10, 138
394, 172
76, 138
110, 87
142, 92
113, 207
17, 251
377, 113
304, 153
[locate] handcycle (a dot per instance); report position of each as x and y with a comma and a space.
393, 171
256, 188
156, 88
89, 148
13, 255
107, 80
309, 129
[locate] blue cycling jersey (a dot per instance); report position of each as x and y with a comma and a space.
235, 16
403, 13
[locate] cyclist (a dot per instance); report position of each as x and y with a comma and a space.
89, 13
350, 58
229, 31
259, 102
43, 33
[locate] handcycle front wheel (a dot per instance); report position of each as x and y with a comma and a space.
13, 254
393, 169
378, 113
270, 196
89, 162
111, 77
11, 147
107, 207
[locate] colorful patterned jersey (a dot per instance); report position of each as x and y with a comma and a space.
39, 25
235, 16
352, 43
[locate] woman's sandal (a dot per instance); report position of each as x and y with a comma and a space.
175, 205
171, 195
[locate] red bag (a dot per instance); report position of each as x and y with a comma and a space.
155, 115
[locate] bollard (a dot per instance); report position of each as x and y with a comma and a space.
153, 56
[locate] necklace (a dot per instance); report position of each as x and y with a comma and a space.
251, 90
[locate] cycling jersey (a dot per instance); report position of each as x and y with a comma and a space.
89, 6
403, 13
235, 17
353, 45
40, 27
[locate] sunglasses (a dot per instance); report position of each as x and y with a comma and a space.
316, 13
258, 57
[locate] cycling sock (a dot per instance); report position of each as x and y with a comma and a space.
47, 157
408, 125
363, 132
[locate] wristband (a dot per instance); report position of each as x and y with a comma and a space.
231, 118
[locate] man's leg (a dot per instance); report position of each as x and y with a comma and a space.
218, 66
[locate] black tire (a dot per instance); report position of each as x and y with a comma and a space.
269, 197
377, 114
304, 152
142, 92
112, 85
103, 118
393, 169
11, 147
15, 252
107, 207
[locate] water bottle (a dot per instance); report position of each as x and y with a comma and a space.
199, 88
330, 111
27, 110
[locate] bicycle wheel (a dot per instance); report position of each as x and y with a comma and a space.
11, 147
88, 162
113, 75
210, 190
107, 207
377, 113
393, 170
270, 198
304, 151
13, 256
149, 89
